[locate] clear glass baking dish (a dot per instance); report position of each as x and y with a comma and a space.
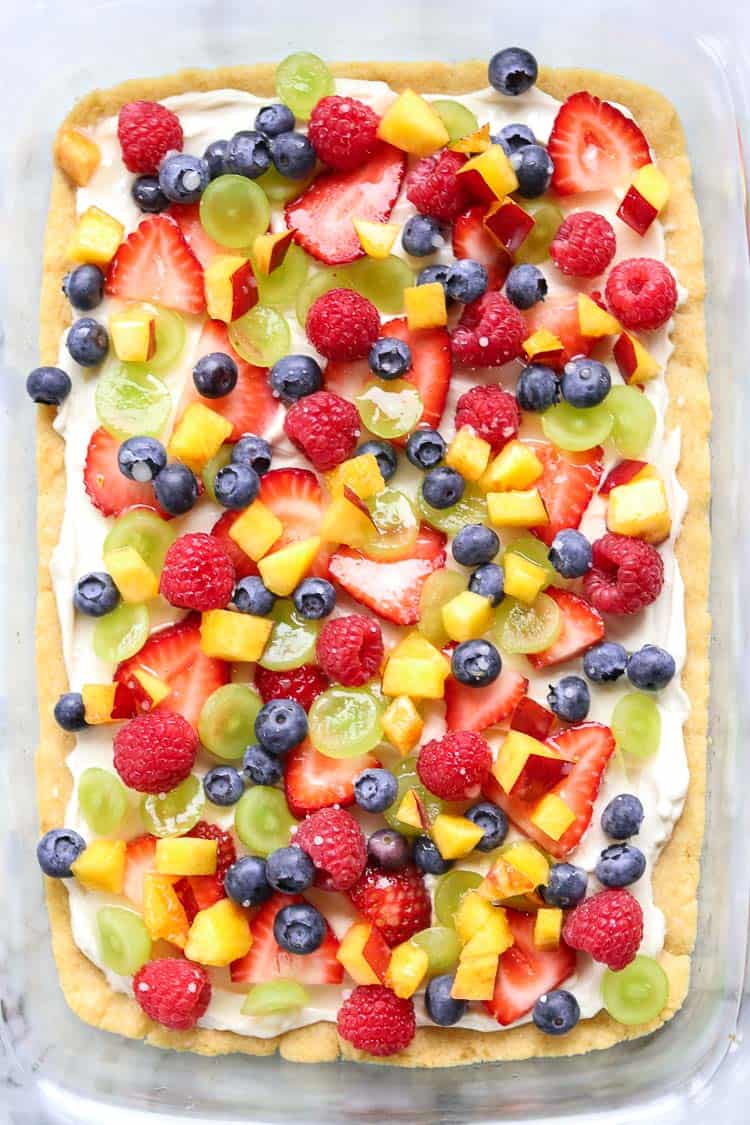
58, 1069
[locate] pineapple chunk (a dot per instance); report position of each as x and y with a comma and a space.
133, 335
407, 969
96, 238
416, 668
376, 239
361, 474
132, 575
475, 978
473, 911
640, 508
219, 935
98, 703
185, 855
547, 928
256, 530
515, 468
155, 688
425, 306
455, 836
284, 569
489, 176
524, 579
199, 436
412, 125
403, 724
237, 637
163, 914
552, 816
594, 321
101, 867
364, 954
466, 616
517, 508
468, 454
77, 155
269, 250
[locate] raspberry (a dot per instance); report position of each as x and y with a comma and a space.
343, 325
492, 412
172, 991
435, 189
584, 244
324, 427
226, 853
456, 766
626, 574
375, 1020
155, 752
343, 132
490, 332
303, 684
609, 926
334, 842
147, 131
350, 649
641, 293
198, 573
397, 902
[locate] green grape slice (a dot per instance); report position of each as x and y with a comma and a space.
396, 526
262, 820
439, 588
226, 726
273, 996
449, 891
124, 942
103, 800
458, 120
131, 401
535, 247
261, 336
520, 628
147, 533
122, 633
636, 725
575, 430
322, 282
442, 946
176, 812
278, 188
382, 281
234, 211
281, 287
219, 461
406, 774
637, 993
345, 722
390, 409
528, 547
471, 508
302, 79
292, 641
634, 420
169, 331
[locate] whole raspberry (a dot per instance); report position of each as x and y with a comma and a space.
490, 332
626, 574
350, 649
608, 925
456, 766
492, 412
584, 245
147, 131
198, 573
376, 1020
226, 853
172, 991
343, 132
435, 189
303, 684
324, 427
397, 902
343, 325
641, 293
155, 752
334, 842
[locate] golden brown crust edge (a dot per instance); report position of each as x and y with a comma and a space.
676, 875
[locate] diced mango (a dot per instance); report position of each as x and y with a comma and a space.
425, 306
475, 978
403, 724
640, 509
529, 859
346, 521
489, 176
78, 155
219, 935
411, 124
101, 867
361, 474
634, 362
594, 321
474, 143
412, 811
230, 286
473, 911
269, 250
513, 755
552, 816
198, 436
416, 668
547, 928
132, 575
284, 569
493, 936
256, 530
98, 702
96, 237
376, 239
237, 637
407, 969
155, 688
468, 454
517, 508
163, 914
455, 836
542, 344
133, 334
515, 468
524, 579
185, 855
364, 954
467, 615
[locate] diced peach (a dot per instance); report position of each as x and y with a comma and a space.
475, 978
508, 223
474, 143
199, 436
362, 474
514, 754
376, 239
416, 668
543, 346
231, 288
552, 816
96, 237
133, 334
634, 362
364, 953
163, 914
256, 530
411, 124
425, 306
517, 508
412, 811
78, 155
594, 321
515, 468
403, 724
547, 928
407, 969
640, 509
185, 855
489, 176
468, 453
467, 616
269, 250
236, 637
455, 836
219, 935
348, 520
101, 867
132, 575
524, 579
283, 570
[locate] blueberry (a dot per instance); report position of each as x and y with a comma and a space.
293, 155
176, 489
50, 385
215, 375
585, 382
569, 698
513, 137
428, 859
533, 167
236, 486
570, 553
651, 668
58, 850
280, 725
443, 487
466, 280
253, 451
475, 544
375, 790
261, 768
389, 849
488, 580
272, 120
476, 663
141, 458
384, 454
290, 870
434, 273
87, 342
556, 1012
425, 449
525, 285
605, 662
537, 388
493, 820
422, 235
252, 596
96, 594
622, 817
148, 196
512, 71
69, 711
245, 882
215, 157
295, 376
389, 358
566, 885
223, 785
619, 865
299, 928
314, 598
247, 154
183, 178
441, 1007
84, 287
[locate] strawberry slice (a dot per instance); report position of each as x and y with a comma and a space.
175, 656
529, 717
107, 488
198, 892
525, 973
321, 217
594, 146
243, 564
623, 472
268, 961
140, 858
187, 217
312, 781
155, 263
567, 484
471, 239
390, 589
561, 318
582, 627
471, 708
296, 498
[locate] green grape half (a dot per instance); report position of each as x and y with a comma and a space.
279, 289
147, 533
278, 188
124, 942
389, 409
122, 633
442, 946
345, 722
382, 281
458, 120
321, 282
272, 996
262, 820
637, 993
261, 336
449, 891
234, 211
535, 247
302, 79
219, 461
103, 800
226, 726
634, 420
176, 812
169, 332
636, 725
574, 429
439, 588
521, 628
131, 401
292, 641
471, 508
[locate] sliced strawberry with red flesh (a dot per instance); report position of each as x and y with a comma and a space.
175, 656
187, 217
243, 564
594, 146
529, 717
391, 590
621, 474
268, 961
296, 498
567, 484
525, 973
107, 488
140, 858
560, 317
155, 263
431, 366
312, 781
582, 627
471, 239
347, 377
321, 217
471, 708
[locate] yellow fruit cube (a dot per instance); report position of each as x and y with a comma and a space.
524, 579
635, 364
185, 855
98, 702
407, 969
513, 755
256, 530
412, 811
517, 508
361, 474
403, 724
199, 436
473, 911
219, 935
547, 928
455, 836
345, 520
474, 143
425, 306
155, 688
653, 185
101, 867
132, 575
412, 125
466, 616
77, 155
364, 954
640, 508
505, 881
529, 860
542, 343
515, 468
468, 454
163, 914
269, 250
237, 637
489, 176
133, 335
230, 286
416, 668
594, 321
552, 816
493, 936
475, 978
284, 569
96, 237
376, 239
